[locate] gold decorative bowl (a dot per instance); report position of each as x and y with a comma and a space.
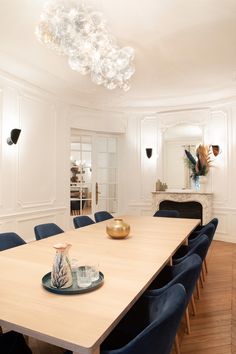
117, 228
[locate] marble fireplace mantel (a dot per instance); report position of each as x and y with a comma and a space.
205, 199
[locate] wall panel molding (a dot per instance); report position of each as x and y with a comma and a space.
36, 186
218, 134
23, 223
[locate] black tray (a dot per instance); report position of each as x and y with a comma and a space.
74, 288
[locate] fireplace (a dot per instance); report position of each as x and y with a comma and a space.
188, 210
190, 204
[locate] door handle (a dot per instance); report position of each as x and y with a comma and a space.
97, 192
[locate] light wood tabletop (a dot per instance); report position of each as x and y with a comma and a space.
81, 322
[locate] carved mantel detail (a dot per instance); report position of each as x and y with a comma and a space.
205, 199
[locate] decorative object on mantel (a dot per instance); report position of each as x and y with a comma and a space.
161, 186
117, 228
61, 276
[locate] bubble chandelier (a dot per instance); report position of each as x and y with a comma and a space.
77, 31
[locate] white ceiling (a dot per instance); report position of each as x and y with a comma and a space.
182, 48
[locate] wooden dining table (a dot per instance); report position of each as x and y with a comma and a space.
81, 322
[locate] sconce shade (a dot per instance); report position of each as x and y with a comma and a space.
15, 133
149, 152
215, 149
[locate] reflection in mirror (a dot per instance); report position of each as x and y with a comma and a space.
177, 139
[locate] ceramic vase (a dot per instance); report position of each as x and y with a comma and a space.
202, 184
61, 275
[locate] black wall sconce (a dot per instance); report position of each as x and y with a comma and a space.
216, 150
15, 133
149, 152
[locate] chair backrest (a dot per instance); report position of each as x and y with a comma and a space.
10, 240
151, 325
200, 247
167, 213
102, 215
46, 230
215, 222
81, 221
208, 230
186, 273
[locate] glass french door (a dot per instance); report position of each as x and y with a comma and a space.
94, 173
81, 175
106, 184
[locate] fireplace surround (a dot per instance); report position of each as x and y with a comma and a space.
190, 204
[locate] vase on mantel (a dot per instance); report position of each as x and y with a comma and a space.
202, 184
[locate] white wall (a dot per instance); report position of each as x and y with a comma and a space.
33, 185
35, 173
34, 178
219, 126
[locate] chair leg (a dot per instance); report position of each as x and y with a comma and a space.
198, 289
201, 280
203, 274
205, 265
193, 305
187, 320
177, 344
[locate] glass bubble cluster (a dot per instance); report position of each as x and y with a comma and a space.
80, 33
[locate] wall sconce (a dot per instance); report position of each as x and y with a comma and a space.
216, 150
149, 152
15, 133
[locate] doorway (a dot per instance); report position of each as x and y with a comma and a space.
93, 173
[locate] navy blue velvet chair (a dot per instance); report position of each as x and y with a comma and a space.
81, 221
186, 273
46, 230
102, 215
213, 221
13, 343
150, 326
10, 240
208, 230
199, 246
167, 213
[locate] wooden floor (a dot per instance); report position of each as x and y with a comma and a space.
213, 329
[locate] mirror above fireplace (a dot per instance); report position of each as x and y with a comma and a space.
176, 139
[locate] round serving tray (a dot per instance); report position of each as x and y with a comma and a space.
74, 288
